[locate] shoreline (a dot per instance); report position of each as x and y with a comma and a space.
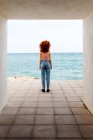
33, 78
21, 77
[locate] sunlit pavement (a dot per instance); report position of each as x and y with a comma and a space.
33, 115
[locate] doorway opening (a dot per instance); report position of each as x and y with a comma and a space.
66, 37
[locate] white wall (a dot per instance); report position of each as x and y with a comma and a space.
88, 62
3, 62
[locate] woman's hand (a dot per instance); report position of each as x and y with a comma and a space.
51, 66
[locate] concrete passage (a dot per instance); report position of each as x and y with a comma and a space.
34, 115
42, 9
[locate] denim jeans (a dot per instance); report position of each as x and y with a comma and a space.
45, 73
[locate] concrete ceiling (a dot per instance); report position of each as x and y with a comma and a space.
46, 9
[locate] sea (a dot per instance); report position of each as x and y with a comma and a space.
65, 66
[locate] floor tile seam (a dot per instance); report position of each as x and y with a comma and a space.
46, 102
36, 108
75, 92
56, 131
14, 101
49, 114
76, 123
16, 106
67, 102
88, 112
46, 124
34, 120
10, 126
55, 124
18, 138
72, 107
61, 88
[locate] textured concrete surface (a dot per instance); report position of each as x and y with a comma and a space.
3, 62
45, 9
88, 63
33, 115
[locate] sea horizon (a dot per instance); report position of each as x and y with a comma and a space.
38, 52
66, 65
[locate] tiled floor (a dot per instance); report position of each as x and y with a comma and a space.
33, 115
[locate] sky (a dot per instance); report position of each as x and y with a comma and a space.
24, 36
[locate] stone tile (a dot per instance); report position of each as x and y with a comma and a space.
32, 95
19, 95
44, 131
21, 91
44, 95
60, 104
76, 104
6, 119
14, 104
65, 119
4, 130
20, 131
73, 99
68, 131
45, 99
29, 104
44, 119
68, 91
59, 99
62, 111
86, 131
26, 110
72, 139
67, 88
18, 139
24, 119
10, 110
58, 95
80, 111
87, 139
16, 99
71, 95
32, 91
42, 139
84, 119
57, 90
44, 111
31, 99
45, 104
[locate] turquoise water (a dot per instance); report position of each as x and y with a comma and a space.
65, 65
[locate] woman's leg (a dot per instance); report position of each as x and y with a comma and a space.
43, 78
48, 78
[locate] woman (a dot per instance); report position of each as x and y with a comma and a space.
45, 64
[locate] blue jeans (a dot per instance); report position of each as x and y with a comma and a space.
45, 73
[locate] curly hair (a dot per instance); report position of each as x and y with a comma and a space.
44, 46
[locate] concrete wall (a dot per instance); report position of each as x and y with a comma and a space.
88, 62
3, 62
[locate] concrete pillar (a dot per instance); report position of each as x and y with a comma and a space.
3, 62
88, 62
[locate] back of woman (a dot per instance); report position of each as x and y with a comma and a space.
45, 64
45, 55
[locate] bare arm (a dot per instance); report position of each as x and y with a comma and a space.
50, 60
40, 60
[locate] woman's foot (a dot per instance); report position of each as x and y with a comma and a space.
48, 90
43, 90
